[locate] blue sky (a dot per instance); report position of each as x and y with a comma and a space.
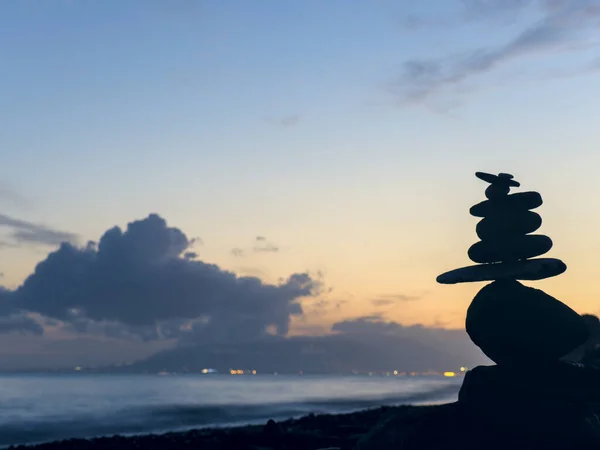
347, 133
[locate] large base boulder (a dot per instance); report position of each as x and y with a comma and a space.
514, 324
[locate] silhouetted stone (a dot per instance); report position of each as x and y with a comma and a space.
495, 191
515, 324
510, 225
505, 179
521, 201
539, 400
499, 184
515, 249
271, 428
531, 269
507, 175
563, 381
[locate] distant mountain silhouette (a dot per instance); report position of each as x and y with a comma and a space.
320, 354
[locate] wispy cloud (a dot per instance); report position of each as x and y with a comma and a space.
564, 26
261, 245
315, 307
5, 244
24, 232
387, 300
190, 255
286, 121
265, 247
237, 252
10, 195
486, 9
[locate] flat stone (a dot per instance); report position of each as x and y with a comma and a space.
504, 179
521, 201
515, 324
531, 269
510, 225
505, 250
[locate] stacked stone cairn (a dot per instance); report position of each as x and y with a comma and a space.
510, 322
532, 389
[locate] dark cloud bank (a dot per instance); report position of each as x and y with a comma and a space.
145, 283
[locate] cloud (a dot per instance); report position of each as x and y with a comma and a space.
13, 320
385, 300
237, 252
136, 282
25, 232
470, 12
261, 245
565, 26
196, 240
264, 246
452, 343
289, 121
321, 306
366, 325
485, 9
21, 324
190, 255
10, 195
286, 121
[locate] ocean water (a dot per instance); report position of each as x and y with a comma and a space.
43, 408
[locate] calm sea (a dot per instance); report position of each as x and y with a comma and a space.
41, 408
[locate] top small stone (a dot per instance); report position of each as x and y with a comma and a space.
499, 184
504, 179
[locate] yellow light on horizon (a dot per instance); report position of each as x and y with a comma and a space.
395, 372
254, 372
449, 374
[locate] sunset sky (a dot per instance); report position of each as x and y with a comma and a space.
334, 137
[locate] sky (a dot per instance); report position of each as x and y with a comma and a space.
302, 163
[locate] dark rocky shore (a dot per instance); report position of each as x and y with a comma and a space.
344, 431
398, 427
